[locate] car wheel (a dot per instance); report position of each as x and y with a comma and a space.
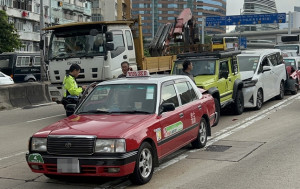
239, 103
144, 166
201, 139
30, 80
281, 92
295, 91
259, 99
218, 111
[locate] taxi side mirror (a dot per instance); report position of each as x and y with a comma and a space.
166, 107
266, 68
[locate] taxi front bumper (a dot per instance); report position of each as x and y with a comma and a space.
112, 166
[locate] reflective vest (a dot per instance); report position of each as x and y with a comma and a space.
70, 86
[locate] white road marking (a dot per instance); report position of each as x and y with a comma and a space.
44, 118
8, 157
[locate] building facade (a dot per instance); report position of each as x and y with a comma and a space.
25, 15
109, 10
259, 7
156, 12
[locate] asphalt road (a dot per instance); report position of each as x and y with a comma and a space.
258, 149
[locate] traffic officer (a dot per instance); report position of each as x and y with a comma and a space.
70, 87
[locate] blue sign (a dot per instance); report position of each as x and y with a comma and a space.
243, 42
246, 19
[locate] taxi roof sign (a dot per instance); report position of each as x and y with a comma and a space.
139, 73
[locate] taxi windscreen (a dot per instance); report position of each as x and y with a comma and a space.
123, 98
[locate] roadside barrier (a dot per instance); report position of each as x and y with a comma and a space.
23, 94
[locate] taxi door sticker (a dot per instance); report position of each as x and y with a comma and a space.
35, 158
172, 129
158, 134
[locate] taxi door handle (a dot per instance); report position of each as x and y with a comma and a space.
181, 115
199, 107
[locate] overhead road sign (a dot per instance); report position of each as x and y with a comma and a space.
248, 19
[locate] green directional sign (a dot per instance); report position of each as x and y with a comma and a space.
35, 158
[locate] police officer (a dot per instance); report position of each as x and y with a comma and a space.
70, 87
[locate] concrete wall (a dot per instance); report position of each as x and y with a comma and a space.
23, 94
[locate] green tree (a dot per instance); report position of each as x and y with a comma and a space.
9, 39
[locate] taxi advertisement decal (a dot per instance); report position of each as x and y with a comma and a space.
172, 129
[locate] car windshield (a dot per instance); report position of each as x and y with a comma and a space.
123, 98
290, 62
200, 67
70, 45
248, 63
287, 47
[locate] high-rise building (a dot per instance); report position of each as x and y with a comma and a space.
156, 12
25, 15
259, 7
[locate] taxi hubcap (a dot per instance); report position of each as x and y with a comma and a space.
202, 132
145, 162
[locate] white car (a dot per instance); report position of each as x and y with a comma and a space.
263, 75
5, 79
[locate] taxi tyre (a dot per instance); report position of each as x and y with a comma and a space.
296, 88
239, 103
281, 91
53, 176
201, 139
259, 99
218, 110
144, 165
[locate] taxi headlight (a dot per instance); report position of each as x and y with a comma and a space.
110, 146
39, 144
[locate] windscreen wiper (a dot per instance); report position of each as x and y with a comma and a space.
132, 112
94, 112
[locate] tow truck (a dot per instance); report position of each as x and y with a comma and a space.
100, 47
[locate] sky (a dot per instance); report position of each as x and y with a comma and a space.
283, 6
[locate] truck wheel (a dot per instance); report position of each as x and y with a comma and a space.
218, 111
259, 99
281, 92
201, 139
143, 170
239, 103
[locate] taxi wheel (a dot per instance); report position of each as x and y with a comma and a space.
259, 99
53, 176
144, 166
201, 139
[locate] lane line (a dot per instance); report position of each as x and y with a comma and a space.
44, 118
8, 157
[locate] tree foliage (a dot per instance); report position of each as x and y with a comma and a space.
9, 38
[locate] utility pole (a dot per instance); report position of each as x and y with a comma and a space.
42, 43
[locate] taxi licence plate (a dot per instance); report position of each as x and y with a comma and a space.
68, 165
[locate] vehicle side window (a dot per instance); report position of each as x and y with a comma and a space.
223, 68
23, 61
168, 95
265, 62
129, 40
118, 41
298, 65
193, 93
234, 65
273, 59
37, 61
184, 92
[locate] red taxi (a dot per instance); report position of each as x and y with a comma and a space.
125, 127
292, 65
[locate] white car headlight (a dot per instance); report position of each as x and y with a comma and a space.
39, 144
110, 146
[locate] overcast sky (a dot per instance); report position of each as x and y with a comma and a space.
234, 6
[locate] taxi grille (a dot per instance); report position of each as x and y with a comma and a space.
71, 145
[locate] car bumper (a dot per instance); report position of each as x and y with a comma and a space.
250, 97
111, 166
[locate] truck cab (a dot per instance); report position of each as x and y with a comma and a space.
98, 47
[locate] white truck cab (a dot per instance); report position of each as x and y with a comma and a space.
98, 47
